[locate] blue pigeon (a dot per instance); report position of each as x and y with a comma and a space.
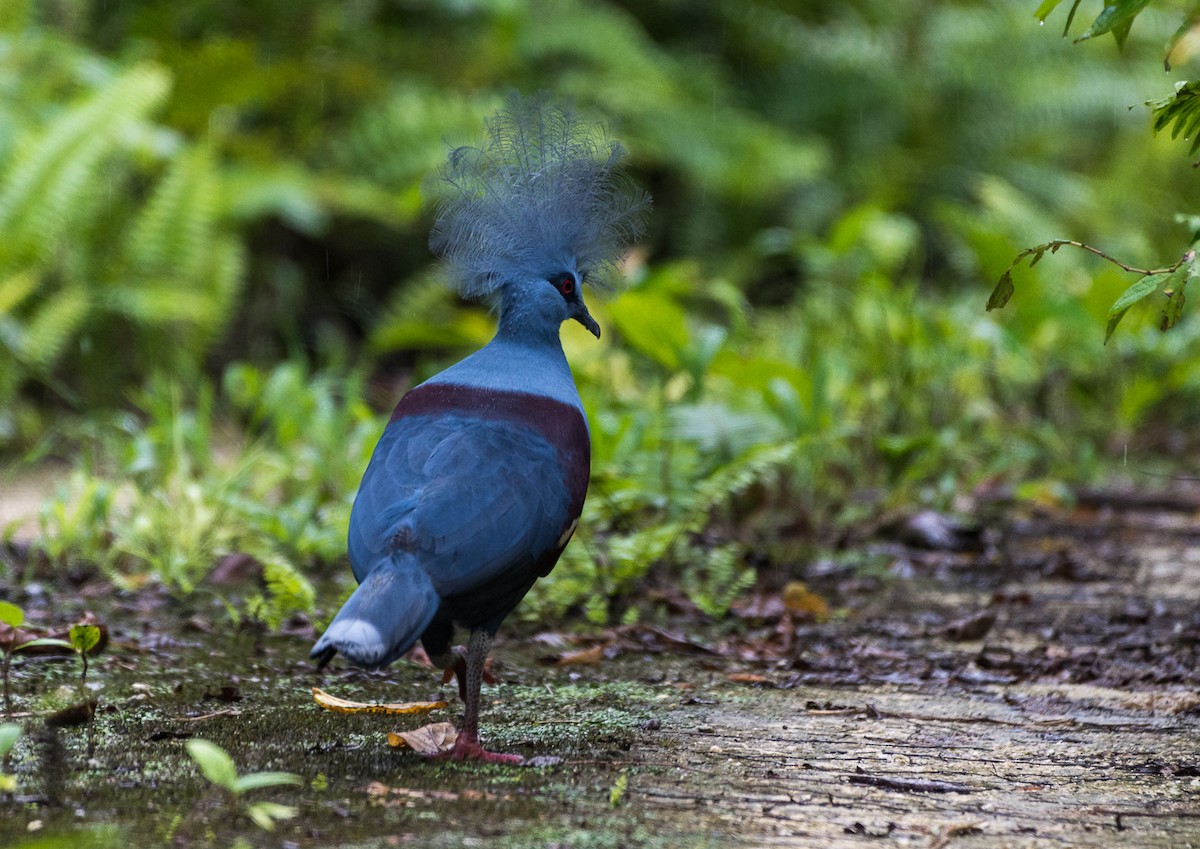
479, 478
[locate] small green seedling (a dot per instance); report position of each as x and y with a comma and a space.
84, 638
9, 732
13, 617
617, 793
218, 767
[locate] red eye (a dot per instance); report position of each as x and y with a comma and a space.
567, 286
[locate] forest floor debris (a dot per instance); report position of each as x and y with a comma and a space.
1071, 719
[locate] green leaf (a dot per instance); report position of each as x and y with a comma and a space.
1174, 307
84, 638
1182, 109
1003, 291
617, 793
265, 813
45, 641
652, 323
1173, 310
11, 615
1045, 9
214, 762
1180, 38
1143, 288
1121, 33
256, 780
1070, 17
9, 732
15, 289
1116, 18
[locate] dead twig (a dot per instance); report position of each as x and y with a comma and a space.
214, 714
909, 785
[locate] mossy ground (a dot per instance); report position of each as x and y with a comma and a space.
1071, 722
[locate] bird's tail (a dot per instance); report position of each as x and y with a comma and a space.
384, 617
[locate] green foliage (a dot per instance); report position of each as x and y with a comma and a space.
11, 615
1116, 17
87, 252
175, 506
190, 191
83, 639
218, 767
1169, 281
10, 732
1182, 110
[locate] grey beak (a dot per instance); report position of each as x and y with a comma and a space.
585, 318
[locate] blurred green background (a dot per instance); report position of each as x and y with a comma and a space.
214, 278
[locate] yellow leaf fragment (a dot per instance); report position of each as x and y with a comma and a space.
798, 598
346, 706
428, 740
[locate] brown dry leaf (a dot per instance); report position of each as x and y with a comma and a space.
798, 598
1173, 703
583, 657
346, 706
748, 678
973, 627
405, 795
428, 740
12, 639
659, 639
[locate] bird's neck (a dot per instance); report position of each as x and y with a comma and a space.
520, 364
521, 323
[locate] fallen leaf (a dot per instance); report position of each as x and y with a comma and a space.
973, 627
346, 706
15, 639
553, 639
428, 740
404, 795
657, 639
798, 598
748, 678
583, 657
78, 714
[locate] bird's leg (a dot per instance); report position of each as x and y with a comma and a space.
454, 665
467, 746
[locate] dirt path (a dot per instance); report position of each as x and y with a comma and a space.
1039, 688
1042, 766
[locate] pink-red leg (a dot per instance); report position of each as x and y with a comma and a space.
471, 676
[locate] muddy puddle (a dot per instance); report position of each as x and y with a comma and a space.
1035, 686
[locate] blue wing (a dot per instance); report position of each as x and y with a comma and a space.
480, 504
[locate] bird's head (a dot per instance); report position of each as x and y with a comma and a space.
541, 200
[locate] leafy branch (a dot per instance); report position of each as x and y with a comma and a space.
1170, 281
1182, 109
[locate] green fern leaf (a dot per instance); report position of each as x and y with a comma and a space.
56, 171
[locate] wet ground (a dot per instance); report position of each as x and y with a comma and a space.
1031, 685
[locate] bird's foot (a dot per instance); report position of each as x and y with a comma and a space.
459, 670
468, 748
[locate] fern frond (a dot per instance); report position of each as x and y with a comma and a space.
737, 476
56, 170
173, 232
52, 326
